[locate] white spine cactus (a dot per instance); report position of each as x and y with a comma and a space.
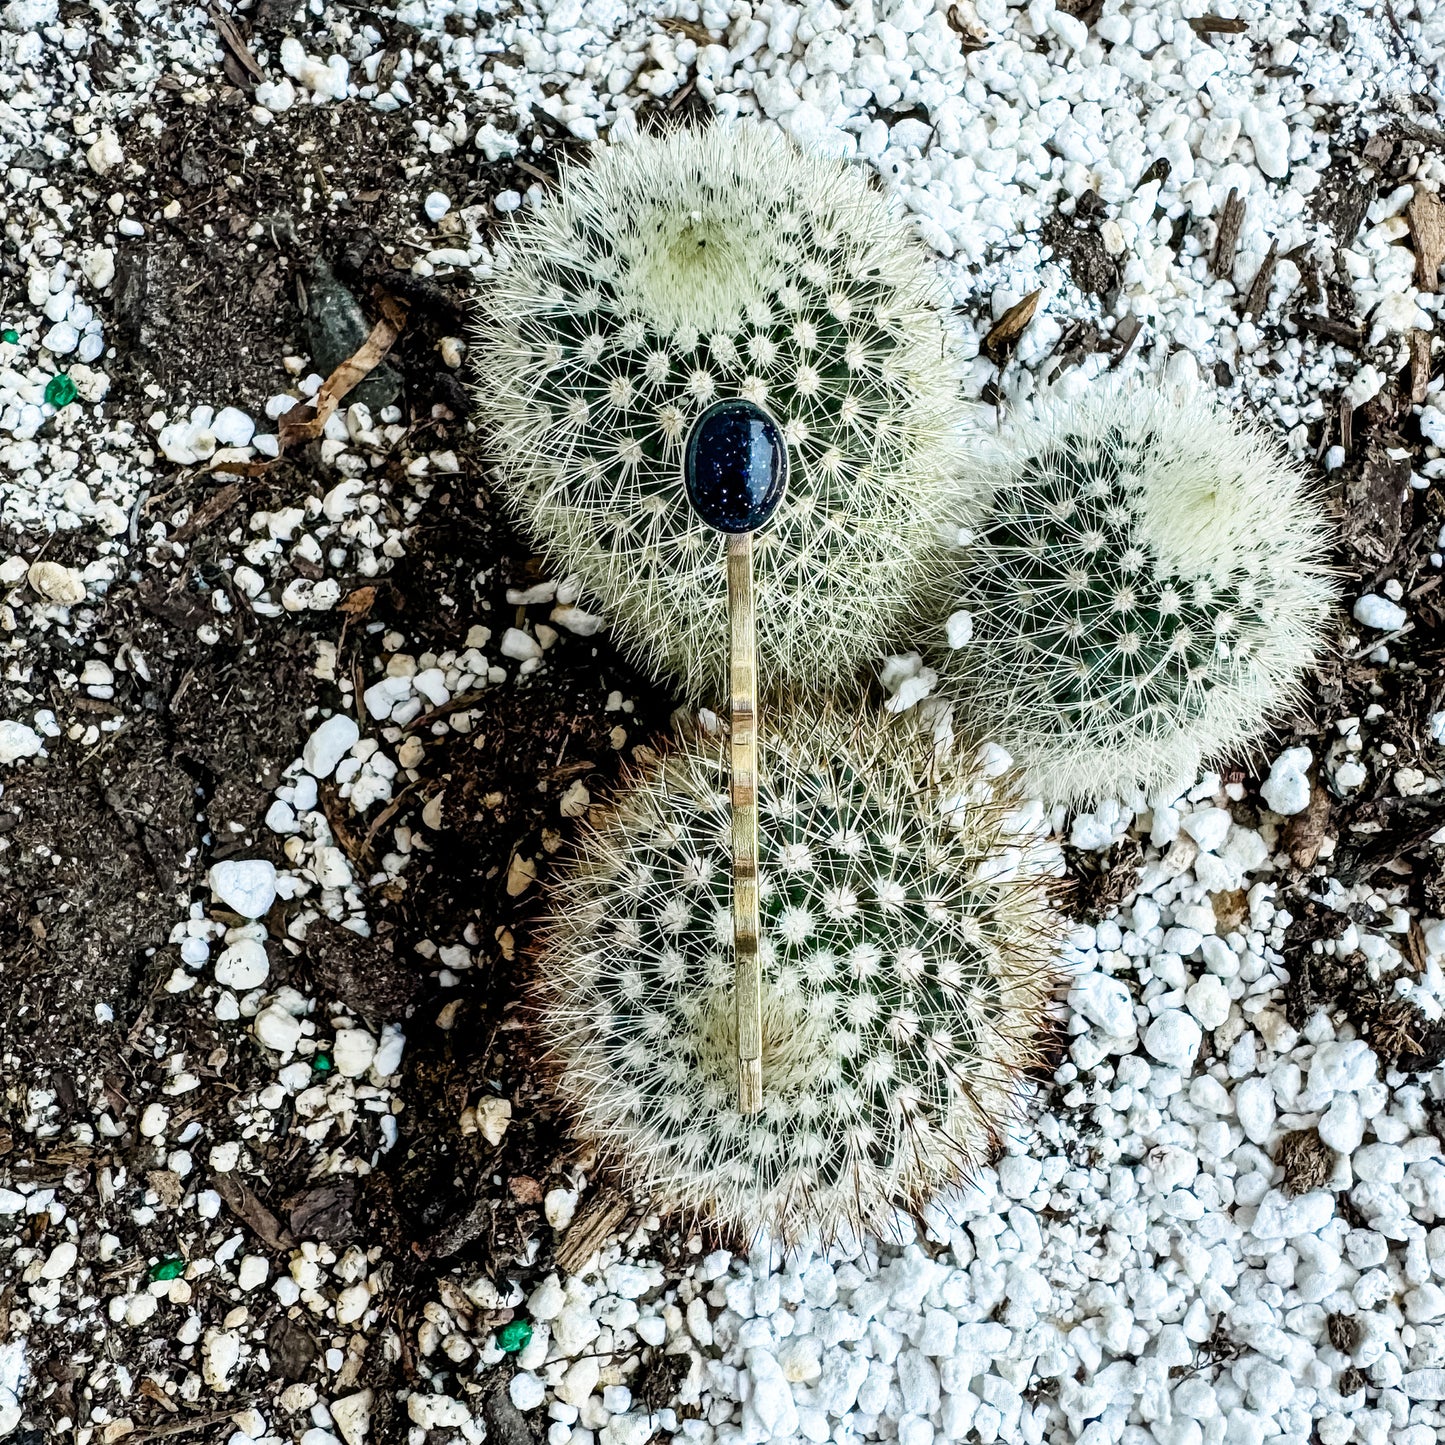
1144, 592
906, 963
677, 271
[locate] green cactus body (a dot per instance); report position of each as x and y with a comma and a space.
903, 987
679, 271
1144, 590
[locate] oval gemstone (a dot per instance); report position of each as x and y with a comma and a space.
735, 466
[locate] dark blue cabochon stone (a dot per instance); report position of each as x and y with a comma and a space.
735, 466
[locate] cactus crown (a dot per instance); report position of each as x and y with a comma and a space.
1145, 589
905, 980
676, 271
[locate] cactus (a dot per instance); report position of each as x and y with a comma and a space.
905, 961
1144, 593
677, 271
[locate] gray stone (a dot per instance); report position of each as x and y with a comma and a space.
335, 328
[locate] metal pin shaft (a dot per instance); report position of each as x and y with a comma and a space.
743, 684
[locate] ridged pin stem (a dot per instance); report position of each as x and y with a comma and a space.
743, 685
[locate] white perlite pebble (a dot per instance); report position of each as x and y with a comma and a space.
517, 645
98, 266
353, 1052
1104, 1001
61, 339
769, 1413
1174, 1038
559, 1206
1018, 1175
224, 1157
1380, 613
389, 1051
105, 153
153, 1121
1254, 1104
243, 966
1287, 789
22, 16
352, 1416
1265, 125
221, 1353
1342, 1125
579, 1381
547, 1300
436, 206
1209, 827
331, 742
493, 1116
55, 583
959, 629
232, 427
526, 1390
277, 1029
17, 741
61, 1261
1344, 1067
437, 1412
252, 1271
352, 1304
1281, 1216
1208, 1001
246, 886
277, 96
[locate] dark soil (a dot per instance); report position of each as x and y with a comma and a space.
109, 839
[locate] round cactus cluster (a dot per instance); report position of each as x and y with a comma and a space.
676, 271
905, 980
1144, 591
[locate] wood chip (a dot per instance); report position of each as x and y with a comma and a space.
325, 1211
694, 32
1304, 834
358, 604
1126, 333
1218, 25
1340, 332
1419, 365
350, 374
1231, 218
167, 1185
1003, 337
183, 1427
153, 1391
524, 1189
964, 22
1258, 297
1379, 148
1309, 270
600, 1220
235, 42
252, 1213
1425, 216
1158, 171
211, 510
1231, 908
